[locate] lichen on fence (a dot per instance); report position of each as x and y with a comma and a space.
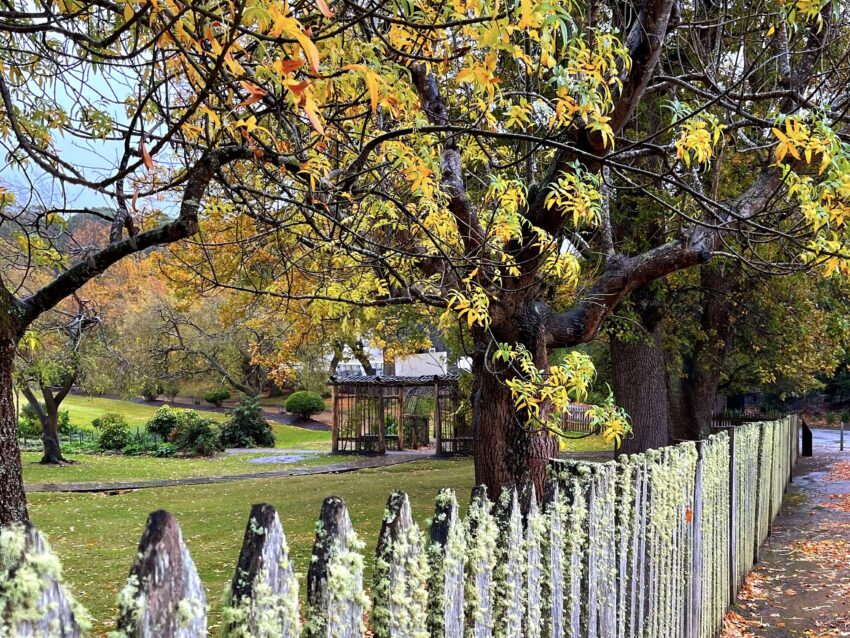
647, 546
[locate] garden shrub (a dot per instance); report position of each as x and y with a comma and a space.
217, 397
197, 436
114, 431
164, 450
165, 422
29, 424
64, 423
247, 426
304, 403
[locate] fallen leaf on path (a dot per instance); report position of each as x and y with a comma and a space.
839, 471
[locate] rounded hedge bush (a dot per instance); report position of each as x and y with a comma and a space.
304, 403
114, 431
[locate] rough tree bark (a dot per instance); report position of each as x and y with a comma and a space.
13, 504
703, 365
508, 452
640, 388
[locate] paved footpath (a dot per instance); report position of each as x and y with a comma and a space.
801, 584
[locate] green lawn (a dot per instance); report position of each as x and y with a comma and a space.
83, 410
113, 467
96, 535
593, 443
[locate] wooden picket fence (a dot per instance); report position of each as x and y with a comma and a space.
652, 545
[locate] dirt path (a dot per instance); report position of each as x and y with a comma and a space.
801, 585
392, 458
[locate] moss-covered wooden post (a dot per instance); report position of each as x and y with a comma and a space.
447, 561
263, 597
510, 567
554, 592
163, 596
481, 535
535, 533
401, 575
33, 600
335, 597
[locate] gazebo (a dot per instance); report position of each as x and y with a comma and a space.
380, 413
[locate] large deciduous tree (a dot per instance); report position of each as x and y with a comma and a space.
473, 157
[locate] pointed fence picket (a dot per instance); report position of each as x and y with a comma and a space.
653, 545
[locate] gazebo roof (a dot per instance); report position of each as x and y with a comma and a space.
392, 380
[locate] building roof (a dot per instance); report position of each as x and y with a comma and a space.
392, 380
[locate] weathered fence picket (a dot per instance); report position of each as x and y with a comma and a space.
509, 573
33, 600
263, 597
481, 537
401, 575
648, 546
532, 621
336, 600
163, 596
447, 561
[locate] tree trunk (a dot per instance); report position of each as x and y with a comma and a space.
509, 452
13, 502
703, 365
48, 417
640, 388
50, 437
639, 375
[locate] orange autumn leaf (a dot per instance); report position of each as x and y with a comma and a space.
256, 93
298, 87
312, 113
323, 7
689, 515
288, 66
146, 158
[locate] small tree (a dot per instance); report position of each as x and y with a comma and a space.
217, 397
165, 422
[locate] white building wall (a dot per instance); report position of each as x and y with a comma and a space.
417, 365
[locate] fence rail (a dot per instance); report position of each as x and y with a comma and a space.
654, 544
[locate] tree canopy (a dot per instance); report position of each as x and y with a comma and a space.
471, 158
